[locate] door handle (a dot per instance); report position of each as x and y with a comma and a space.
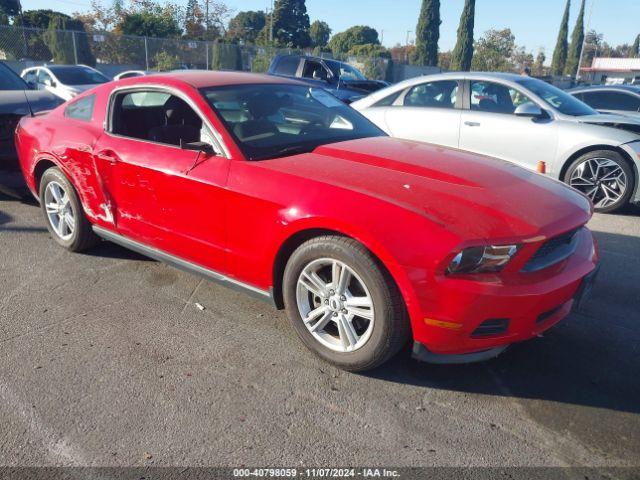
472, 124
107, 156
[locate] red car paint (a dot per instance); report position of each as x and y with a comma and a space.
413, 205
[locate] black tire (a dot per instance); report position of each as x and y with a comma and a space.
82, 236
390, 329
620, 161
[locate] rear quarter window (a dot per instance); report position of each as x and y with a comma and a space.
81, 109
287, 66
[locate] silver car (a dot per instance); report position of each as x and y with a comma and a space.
64, 81
618, 99
519, 119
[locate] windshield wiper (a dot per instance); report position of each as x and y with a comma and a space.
290, 150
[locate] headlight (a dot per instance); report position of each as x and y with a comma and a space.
490, 258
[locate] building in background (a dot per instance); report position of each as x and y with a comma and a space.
612, 71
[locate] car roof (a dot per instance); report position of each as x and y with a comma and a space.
208, 78
309, 57
623, 88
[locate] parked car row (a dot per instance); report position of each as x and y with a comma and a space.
279, 189
17, 99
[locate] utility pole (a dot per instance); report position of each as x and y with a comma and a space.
584, 40
271, 25
382, 37
206, 19
406, 47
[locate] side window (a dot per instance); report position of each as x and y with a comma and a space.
388, 100
495, 97
314, 70
157, 117
433, 94
31, 77
612, 101
81, 109
44, 78
288, 66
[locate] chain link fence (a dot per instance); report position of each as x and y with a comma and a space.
112, 52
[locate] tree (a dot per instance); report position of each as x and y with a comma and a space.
538, 66
428, 34
635, 49
194, 21
319, 32
444, 60
59, 37
165, 61
521, 59
9, 8
342, 42
41, 18
375, 59
226, 56
560, 53
246, 26
493, 51
463, 51
148, 24
290, 24
577, 39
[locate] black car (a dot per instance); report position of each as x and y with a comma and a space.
16, 101
341, 79
618, 99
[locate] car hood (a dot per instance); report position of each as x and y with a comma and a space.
473, 196
23, 102
621, 122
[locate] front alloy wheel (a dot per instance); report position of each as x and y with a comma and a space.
604, 177
343, 304
335, 305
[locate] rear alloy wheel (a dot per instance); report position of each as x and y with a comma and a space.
604, 177
63, 212
342, 304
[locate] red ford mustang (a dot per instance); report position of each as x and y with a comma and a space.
279, 189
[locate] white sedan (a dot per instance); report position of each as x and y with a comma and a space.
519, 119
64, 81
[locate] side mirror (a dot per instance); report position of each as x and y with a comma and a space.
202, 147
32, 85
529, 109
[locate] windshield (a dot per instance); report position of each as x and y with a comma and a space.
561, 101
9, 80
344, 71
272, 120
78, 75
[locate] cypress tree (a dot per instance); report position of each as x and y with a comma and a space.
560, 53
635, 49
428, 33
463, 51
290, 24
577, 38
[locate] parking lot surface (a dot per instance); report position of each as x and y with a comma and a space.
106, 359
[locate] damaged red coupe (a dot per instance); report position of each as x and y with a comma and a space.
281, 190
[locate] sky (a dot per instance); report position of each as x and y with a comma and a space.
533, 22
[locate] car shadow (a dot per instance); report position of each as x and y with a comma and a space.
591, 358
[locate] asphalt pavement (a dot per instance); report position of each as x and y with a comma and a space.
106, 359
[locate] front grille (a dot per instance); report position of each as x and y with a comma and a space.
8, 124
492, 326
553, 251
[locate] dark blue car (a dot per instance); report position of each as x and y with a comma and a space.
339, 78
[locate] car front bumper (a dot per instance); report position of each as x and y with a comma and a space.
453, 308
